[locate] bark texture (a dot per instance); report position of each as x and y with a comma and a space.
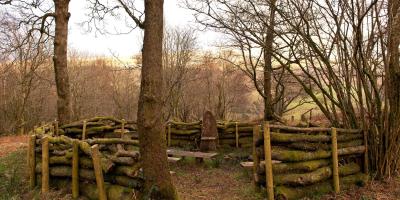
158, 184
268, 51
64, 107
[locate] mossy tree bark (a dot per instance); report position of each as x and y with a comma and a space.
158, 182
64, 107
389, 161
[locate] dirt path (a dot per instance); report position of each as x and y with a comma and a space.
205, 182
10, 144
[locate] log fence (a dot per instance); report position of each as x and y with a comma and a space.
97, 158
293, 162
230, 133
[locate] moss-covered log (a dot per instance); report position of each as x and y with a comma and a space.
130, 171
248, 129
297, 155
175, 123
283, 128
233, 135
87, 174
88, 190
185, 132
79, 124
112, 141
306, 166
91, 130
318, 175
308, 146
289, 193
185, 137
289, 138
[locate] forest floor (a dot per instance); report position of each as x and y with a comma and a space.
220, 179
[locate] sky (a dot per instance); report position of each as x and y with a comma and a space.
126, 45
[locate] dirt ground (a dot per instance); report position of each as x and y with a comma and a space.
10, 144
212, 181
218, 180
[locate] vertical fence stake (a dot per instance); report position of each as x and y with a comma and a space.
169, 135
98, 172
237, 134
366, 159
122, 128
268, 162
75, 169
84, 130
45, 165
335, 161
32, 161
256, 159
56, 127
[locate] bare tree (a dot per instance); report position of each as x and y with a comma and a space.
178, 51
40, 15
158, 184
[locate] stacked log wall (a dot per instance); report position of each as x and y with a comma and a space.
97, 158
230, 133
306, 161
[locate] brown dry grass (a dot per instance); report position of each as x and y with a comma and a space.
10, 144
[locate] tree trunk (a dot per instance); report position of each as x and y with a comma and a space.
64, 107
391, 139
268, 50
158, 183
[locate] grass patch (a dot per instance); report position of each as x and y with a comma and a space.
13, 176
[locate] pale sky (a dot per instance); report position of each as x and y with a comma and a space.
126, 45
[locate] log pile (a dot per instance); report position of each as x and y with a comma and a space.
239, 134
97, 127
183, 134
97, 158
305, 161
229, 133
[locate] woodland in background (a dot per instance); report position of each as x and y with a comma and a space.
104, 86
341, 56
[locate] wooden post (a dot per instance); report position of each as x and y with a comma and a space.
56, 127
84, 130
237, 134
169, 135
75, 169
268, 162
366, 159
98, 172
123, 128
52, 129
335, 161
256, 159
32, 161
45, 165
